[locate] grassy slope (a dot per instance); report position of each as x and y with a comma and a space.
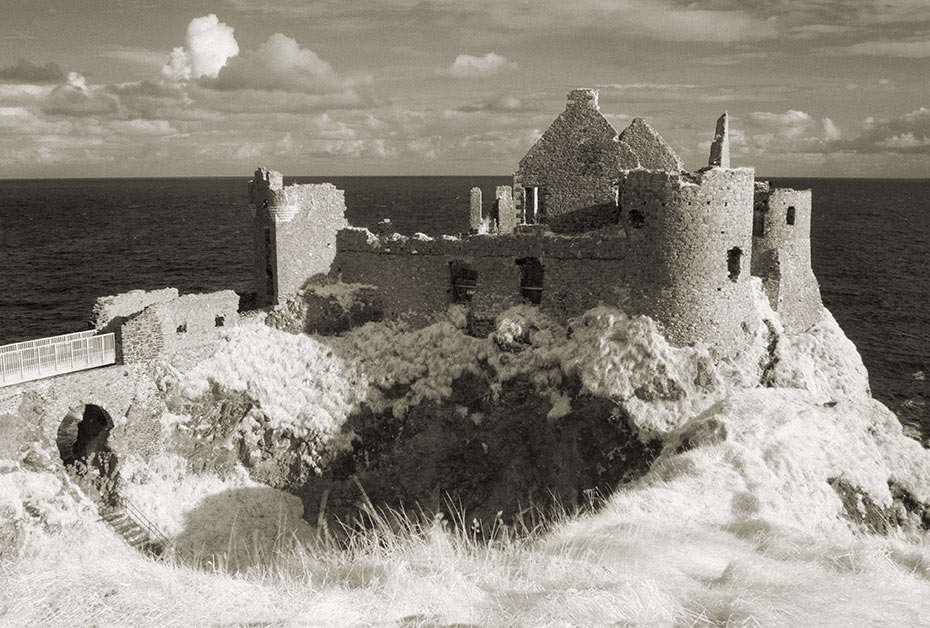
739, 527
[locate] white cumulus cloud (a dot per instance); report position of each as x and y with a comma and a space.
282, 64
469, 66
208, 46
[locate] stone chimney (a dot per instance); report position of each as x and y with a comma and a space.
720, 148
583, 98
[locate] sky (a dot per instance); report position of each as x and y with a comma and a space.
146, 88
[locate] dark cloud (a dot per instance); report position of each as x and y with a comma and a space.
25, 71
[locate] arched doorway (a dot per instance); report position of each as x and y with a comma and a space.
82, 444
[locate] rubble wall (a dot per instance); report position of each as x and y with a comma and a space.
690, 236
116, 308
781, 255
190, 320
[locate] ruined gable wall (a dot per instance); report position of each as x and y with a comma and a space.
413, 277
781, 255
682, 229
577, 161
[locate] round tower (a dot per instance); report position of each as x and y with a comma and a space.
690, 244
781, 255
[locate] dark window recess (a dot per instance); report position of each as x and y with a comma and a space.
219, 321
464, 282
733, 261
182, 328
269, 268
791, 213
637, 220
531, 279
758, 223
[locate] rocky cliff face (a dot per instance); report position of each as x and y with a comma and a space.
539, 414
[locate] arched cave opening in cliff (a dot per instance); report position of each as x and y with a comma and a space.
83, 443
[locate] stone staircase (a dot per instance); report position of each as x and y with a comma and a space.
133, 526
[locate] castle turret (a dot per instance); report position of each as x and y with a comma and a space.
294, 233
781, 255
690, 242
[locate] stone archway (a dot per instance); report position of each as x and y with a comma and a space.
82, 444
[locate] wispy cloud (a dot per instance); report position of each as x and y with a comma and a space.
499, 104
661, 87
469, 66
917, 49
907, 133
144, 57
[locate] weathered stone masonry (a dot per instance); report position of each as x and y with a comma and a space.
295, 233
167, 326
781, 255
414, 277
690, 247
632, 230
569, 177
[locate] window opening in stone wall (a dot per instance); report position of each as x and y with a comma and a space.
269, 268
637, 219
758, 222
734, 256
464, 282
534, 205
531, 279
182, 329
219, 321
791, 212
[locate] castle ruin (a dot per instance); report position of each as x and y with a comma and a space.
594, 217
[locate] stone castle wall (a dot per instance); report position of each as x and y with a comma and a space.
110, 311
414, 277
295, 233
690, 248
781, 255
190, 320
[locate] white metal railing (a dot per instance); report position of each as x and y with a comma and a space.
45, 357
16, 346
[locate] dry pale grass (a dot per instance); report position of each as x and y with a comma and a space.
589, 570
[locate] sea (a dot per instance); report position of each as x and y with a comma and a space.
64, 242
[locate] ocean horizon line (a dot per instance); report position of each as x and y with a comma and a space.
411, 176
